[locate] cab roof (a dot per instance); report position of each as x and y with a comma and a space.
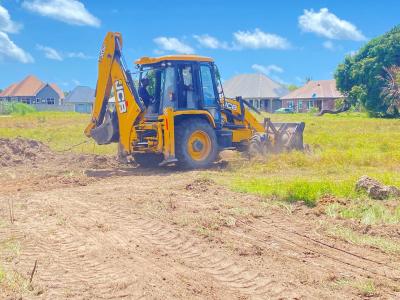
154, 60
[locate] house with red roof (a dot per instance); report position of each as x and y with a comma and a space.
321, 94
33, 91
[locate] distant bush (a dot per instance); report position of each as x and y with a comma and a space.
15, 108
313, 110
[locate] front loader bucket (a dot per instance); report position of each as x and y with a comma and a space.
285, 136
107, 132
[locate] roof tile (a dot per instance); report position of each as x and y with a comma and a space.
81, 94
315, 89
28, 87
58, 90
253, 86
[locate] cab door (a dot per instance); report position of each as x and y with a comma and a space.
208, 92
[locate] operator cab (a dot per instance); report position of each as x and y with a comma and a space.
183, 82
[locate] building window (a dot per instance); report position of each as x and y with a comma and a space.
300, 105
290, 104
50, 101
310, 104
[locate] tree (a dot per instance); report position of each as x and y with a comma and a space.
391, 89
307, 79
292, 87
362, 76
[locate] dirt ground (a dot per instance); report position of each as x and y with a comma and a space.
100, 230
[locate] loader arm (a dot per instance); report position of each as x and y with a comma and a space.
242, 114
281, 136
105, 127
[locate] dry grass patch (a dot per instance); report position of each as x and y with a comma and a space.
348, 235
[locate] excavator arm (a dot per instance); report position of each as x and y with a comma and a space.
106, 127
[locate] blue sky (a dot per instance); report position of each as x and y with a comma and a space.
59, 40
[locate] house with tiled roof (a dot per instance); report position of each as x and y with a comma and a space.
81, 98
33, 91
321, 94
260, 90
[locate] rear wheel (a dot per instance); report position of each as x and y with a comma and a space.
148, 160
196, 144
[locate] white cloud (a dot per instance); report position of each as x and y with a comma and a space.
258, 39
9, 49
328, 45
76, 82
270, 70
332, 46
54, 54
68, 11
211, 42
172, 44
80, 55
255, 39
326, 24
50, 53
299, 79
6, 24
267, 69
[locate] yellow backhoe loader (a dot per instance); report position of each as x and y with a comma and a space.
176, 112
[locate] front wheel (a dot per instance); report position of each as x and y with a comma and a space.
196, 144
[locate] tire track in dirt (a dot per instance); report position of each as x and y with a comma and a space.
69, 254
230, 273
334, 248
71, 251
353, 263
99, 234
190, 251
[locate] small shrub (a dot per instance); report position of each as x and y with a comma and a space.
366, 288
16, 108
21, 108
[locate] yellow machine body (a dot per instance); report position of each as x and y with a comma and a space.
192, 132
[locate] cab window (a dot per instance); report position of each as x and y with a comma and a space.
168, 93
207, 86
187, 97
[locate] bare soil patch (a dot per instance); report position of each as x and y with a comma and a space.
101, 230
19, 151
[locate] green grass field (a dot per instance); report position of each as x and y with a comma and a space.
343, 148
59, 130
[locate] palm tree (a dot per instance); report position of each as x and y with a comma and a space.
391, 89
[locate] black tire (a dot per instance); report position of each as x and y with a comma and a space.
196, 144
256, 148
148, 160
